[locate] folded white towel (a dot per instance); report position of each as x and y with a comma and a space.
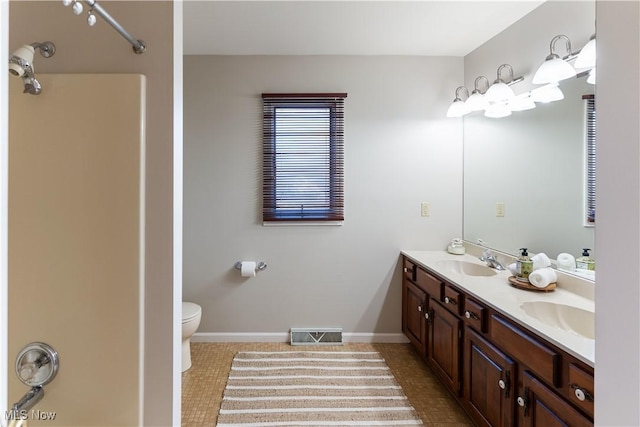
542, 277
540, 260
566, 262
513, 268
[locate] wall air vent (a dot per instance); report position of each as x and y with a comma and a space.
316, 336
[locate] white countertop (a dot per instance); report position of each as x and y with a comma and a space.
496, 292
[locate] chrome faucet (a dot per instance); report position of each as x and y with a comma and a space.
491, 260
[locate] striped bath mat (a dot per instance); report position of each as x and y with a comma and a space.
313, 388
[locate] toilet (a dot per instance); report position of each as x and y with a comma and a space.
191, 314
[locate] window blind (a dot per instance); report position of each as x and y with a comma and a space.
591, 158
303, 157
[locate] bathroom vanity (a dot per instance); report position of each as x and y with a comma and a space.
510, 357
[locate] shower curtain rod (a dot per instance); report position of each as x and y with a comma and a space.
138, 45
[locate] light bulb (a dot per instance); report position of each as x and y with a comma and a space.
91, 19
77, 8
66, 2
592, 77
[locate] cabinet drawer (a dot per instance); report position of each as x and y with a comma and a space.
475, 315
453, 299
429, 284
581, 388
538, 357
409, 270
543, 407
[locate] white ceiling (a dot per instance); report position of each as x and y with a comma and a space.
305, 27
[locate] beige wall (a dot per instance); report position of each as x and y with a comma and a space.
400, 150
75, 189
99, 49
618, 206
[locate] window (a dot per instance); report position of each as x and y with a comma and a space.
590, 180
303, 157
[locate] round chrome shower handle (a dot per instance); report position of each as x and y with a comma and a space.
37, 364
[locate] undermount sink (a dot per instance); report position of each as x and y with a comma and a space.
467, 268
568, 318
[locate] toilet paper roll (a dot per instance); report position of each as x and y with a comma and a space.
248, 269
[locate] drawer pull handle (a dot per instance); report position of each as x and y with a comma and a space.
521, 401
420, 308
502, 384
581, 394
471, 315
406, 270
448, 300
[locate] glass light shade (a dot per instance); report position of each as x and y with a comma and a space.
592, 77
587, 56
476, 101
522, 102
497, 110
457, 108
547, 93
553, 70
499, 92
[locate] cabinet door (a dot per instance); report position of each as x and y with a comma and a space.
541, 407
445, 333
489, 378
413, 320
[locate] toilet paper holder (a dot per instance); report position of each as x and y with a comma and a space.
259, 266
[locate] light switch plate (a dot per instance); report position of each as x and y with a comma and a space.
500, 209
425, 209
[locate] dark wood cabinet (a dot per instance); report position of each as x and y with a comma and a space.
444, 345
413, 320
501, 373
489, 382
539, 406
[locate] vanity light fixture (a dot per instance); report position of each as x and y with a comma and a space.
587, 56
554, 68
547, 93
497, 110
522, 102
459, 108
477, 100
500, 91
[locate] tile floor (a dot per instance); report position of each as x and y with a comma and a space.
203, 384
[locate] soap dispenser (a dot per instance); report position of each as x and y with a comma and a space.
524, 266
585, 262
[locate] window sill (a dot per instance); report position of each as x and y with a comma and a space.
301, 223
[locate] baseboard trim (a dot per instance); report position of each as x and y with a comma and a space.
347, 337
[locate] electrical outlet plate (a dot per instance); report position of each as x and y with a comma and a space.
424, 209
500, 209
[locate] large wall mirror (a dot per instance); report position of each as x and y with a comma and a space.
533, 162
